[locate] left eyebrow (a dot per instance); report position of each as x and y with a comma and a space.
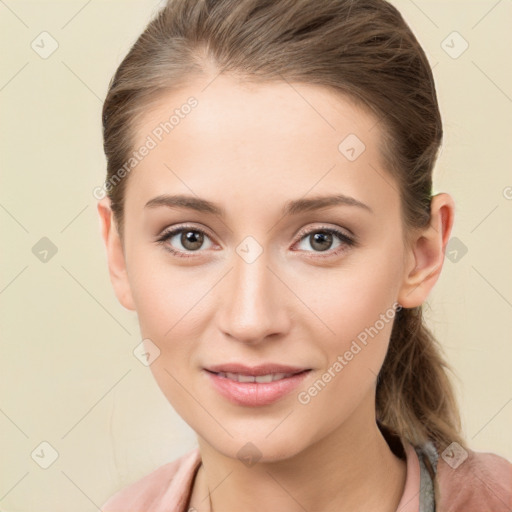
290, 208
320, 202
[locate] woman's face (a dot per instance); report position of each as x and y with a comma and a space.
262, 279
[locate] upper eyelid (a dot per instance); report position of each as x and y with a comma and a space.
308, 231
179, 229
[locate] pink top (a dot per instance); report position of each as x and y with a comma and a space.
482, 483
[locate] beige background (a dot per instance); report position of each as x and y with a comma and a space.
68, 373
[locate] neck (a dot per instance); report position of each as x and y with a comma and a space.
336, 473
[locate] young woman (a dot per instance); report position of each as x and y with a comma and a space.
269, 216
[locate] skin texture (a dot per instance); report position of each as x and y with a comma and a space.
251, 148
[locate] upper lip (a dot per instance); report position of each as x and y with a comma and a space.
261, 369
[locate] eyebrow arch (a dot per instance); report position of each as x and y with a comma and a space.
290, 208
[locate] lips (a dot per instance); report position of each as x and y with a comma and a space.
262, 369
255, 385
269, 377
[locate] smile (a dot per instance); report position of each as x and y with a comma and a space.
244, 389
270, 377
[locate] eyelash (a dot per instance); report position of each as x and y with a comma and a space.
347, 241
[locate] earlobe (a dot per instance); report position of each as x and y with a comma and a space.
426, 256
115, 255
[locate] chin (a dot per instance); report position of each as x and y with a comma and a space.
251, 446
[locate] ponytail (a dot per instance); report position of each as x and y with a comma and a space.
414, 396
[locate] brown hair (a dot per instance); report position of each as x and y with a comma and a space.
362, 49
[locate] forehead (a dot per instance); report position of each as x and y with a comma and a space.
261, 143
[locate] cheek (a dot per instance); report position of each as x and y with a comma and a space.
354, 298
359, 307
166, 295
357, 350
353, 360
169, 307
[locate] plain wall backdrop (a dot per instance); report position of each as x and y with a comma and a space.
69, 378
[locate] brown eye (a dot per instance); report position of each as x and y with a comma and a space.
183, 240
191, 240
322, 240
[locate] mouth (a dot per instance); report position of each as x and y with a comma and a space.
257, 385
269, 377
257, 370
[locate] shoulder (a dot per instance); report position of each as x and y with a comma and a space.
481, 482
165, 488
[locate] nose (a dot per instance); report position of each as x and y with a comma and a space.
253, 302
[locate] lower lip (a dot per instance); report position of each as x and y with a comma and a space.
255, 394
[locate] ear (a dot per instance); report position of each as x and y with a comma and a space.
425, 256
115, 254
